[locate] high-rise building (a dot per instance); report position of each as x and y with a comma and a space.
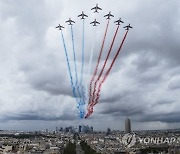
56, 129
61, 129
80, 129
92, 129
85, 129
127, 125
108, 131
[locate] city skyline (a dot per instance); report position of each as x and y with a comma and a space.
144, 85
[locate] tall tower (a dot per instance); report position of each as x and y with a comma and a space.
127, 125
80, 129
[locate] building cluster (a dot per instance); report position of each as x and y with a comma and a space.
146, 142
109, 142
33, 142
85, 129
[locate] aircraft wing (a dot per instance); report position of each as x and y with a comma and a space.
93, 8
99, 8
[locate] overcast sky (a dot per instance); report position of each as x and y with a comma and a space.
144, 84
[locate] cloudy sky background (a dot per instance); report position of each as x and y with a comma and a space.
144, 84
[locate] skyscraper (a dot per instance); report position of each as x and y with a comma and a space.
92, 129
108, 131
57, 130
80, 127
127, 125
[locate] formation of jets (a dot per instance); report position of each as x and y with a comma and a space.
95, 22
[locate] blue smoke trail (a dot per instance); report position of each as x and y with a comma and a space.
69, 68
80, 103
82, 68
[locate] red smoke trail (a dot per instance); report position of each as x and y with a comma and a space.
90, 86
90, 111
108, 71
105, 62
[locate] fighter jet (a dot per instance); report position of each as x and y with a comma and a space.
127, 27
82, 15
70, 21
96, 8
118, 21
60, 27
95, 22
109, 15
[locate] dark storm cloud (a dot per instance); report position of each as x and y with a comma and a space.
145, 61
167, 118
35, 116
32, 17
50, 80
127, 105
157, 31
174, 83
118, 111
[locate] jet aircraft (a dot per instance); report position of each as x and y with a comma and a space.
128, 27
109, 15
95, 22
96, 8
82, 15
118, 21
60, 27
70, 21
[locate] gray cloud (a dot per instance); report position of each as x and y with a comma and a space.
31, 116
143, 84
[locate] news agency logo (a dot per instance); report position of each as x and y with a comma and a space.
129, 140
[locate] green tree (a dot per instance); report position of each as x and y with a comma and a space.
70, 149
87, 149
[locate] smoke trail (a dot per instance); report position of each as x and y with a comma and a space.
82, 67
69, 68
92, 52
105, 62
100, 53
108, 71
75, 67
82, 64
90, 60
105, 76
